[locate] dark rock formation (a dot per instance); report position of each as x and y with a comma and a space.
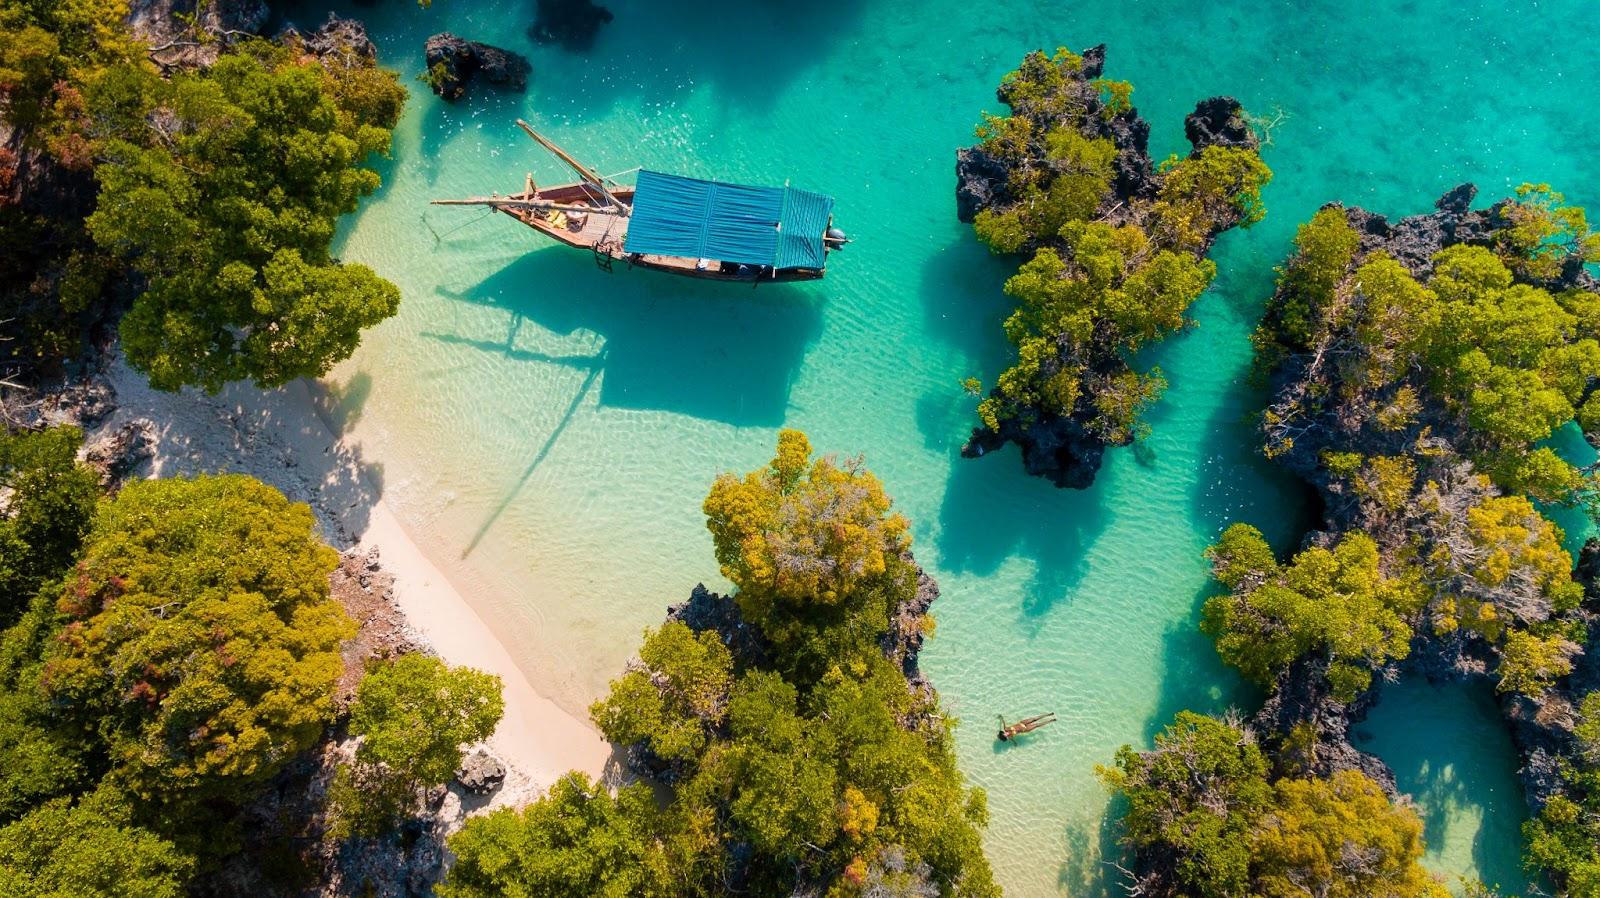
902, 643
708, 611
1057, 448
335, 38
1219, 122
455, 62
573, 24
980, 183
481, 773
1303, 698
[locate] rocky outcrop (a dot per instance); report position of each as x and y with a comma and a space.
1219, 122
1057, 448
1323, 414
902, 642
706, 611
337, 38
122, 452
980, 183
366, 592
1302, 702
193, 33
1063, 448
574, 24
454, 63
481, 773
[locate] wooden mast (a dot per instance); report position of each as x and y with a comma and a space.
513, 203
583, 170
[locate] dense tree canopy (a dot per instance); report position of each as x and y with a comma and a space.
413, 714
1199, 793
90, 849
48, 50
798, 757
802, 531
1496, 363
201, 646
814, 550
674, 698
223, 187
48, 502
1337, 601
1203, 802
577, 840
1342, 833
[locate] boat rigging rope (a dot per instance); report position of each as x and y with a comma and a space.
438, 237
613, 177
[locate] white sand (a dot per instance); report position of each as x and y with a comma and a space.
279, 437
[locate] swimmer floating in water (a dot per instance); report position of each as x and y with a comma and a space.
1007, 733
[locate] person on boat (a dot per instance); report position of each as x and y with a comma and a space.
1007, 733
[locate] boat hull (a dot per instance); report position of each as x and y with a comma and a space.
604, 234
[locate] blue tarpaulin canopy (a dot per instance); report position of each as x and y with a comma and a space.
695, 219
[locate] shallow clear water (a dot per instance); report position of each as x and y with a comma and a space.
549, 430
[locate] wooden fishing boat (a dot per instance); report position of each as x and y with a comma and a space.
686, 226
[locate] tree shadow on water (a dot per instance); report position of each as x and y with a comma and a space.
723, 352
963, 306
1442, 741
992, 510
1194, 678
1090, 865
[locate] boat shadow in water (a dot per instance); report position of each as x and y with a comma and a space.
722, 352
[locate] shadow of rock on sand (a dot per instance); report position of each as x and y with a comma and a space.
276, 436
724, 352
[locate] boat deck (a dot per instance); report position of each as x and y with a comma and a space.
604, 232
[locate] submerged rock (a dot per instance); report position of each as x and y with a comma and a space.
454, 62
573, 24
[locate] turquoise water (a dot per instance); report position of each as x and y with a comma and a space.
548, 431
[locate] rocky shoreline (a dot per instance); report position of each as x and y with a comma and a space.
125, 443
1541, 726
1328, 415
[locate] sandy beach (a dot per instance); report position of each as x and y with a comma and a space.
280, 437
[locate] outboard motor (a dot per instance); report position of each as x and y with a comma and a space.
835, 238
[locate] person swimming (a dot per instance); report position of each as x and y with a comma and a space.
1007, 733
